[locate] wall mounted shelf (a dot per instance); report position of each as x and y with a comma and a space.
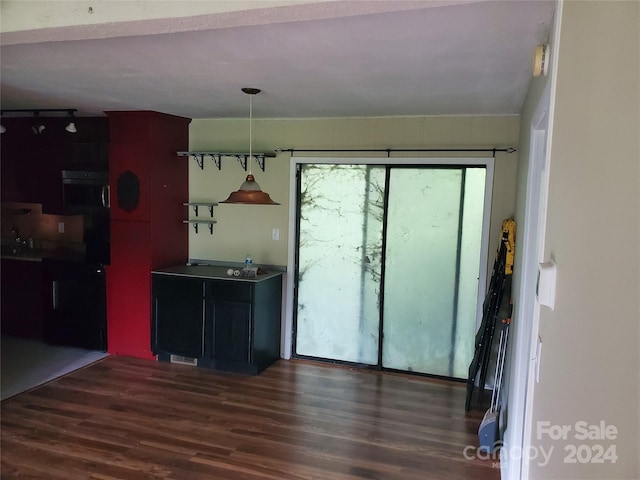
195, 224
217, 158
196, 205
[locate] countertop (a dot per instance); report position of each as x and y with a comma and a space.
213, 272
37, 255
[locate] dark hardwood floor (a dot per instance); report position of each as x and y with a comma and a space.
123, 418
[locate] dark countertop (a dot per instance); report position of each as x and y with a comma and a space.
37, 255
213, 272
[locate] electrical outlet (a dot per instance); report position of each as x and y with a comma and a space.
60, 227
275, 234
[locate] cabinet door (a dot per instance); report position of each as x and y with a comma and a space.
52, 152
22, 308
178, 316
232, 331
20, 164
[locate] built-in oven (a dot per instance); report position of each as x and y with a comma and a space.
85, 191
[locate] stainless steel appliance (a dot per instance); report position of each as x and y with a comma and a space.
85, 191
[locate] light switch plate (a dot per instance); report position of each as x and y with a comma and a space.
546, 288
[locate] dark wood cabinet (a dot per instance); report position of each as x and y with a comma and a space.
31, 163
179, 316
22, 298
20, 162
232, 331
228, 324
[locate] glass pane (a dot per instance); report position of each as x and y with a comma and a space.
420, 271
467, 315
340, 242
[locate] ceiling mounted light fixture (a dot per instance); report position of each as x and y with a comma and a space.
249, 192
71, 127
38, 127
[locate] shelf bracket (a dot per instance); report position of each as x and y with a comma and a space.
199, 161
196, 205
217, 160
216, 157
243, 161
195, 224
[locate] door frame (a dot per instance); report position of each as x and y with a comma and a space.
524, 359
487, 162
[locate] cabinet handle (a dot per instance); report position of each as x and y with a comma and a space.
106, 196
54, 294
204, 321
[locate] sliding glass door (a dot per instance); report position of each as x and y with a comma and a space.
339, 262
388, 264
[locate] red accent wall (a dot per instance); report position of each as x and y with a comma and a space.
152, 234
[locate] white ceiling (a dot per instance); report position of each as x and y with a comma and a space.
348, 59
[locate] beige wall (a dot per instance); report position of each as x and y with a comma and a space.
590, 363
243, 229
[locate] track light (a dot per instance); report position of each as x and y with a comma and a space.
71, 128
38, 128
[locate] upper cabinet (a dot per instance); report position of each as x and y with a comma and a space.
32, 158
90, 146
19, 162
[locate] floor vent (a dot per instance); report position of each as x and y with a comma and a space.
193, 362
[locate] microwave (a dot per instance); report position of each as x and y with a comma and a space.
85, 191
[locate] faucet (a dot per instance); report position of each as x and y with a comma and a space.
19, 242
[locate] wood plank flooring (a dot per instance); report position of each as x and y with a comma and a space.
124, 418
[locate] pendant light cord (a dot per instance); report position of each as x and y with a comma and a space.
250, 132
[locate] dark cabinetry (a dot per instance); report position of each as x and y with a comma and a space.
225, 324
232, 331
31, 162
22, 298
179, 316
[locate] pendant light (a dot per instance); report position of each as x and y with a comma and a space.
249, 192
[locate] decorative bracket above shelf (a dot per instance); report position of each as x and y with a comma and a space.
217, 158
195, 224
195, 206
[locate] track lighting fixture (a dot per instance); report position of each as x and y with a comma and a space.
39, 128
71, 127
